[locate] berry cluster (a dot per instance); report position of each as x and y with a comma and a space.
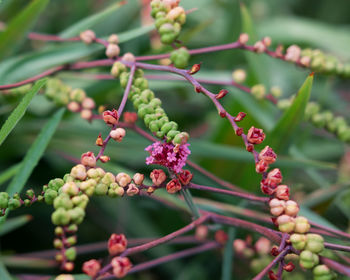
169, 17
180, 57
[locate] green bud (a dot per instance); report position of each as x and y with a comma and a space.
318, 120
160, 134
308, 259
60, 217
4, 201
30, 193
149, 118
169, 126
166, 28
181, 138
144, 110
135, 97
113, 186
112, 193
141, 83
72, 228
14, 203
88, 184
322, 272
160, 21
344, 135
72, 240
163, 121
134, 91
171, 134
16, 196
77, 95
314, 243
101, 189
50, 196
58, 231
57, 243
258, 91
154, 126
137, 102
40, 198
276, 91
108, 178
168, 38
298, 241
68, 178
77, 215
124, 77
180, 57
71, 254
63, 201
27, 202
311, 109
56, 184
284, 104
317, 63
80, 200
155, 102
90, 191
117, 69
70, 188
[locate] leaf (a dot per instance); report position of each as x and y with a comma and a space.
27, 262
90, 21
256, 61
18, 113
14, 223
9, 173
35, 152
282, 133
18, 27
4, 274
228, 255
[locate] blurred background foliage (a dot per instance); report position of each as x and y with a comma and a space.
315, 164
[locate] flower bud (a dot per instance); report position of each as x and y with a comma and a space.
138, 178
221, 237
261, 166
58, 231
258, 91
99, 140
314, 243
185, 177
56, 184
88, 159
77, 215
201, 232
322, 272
113, 39
293, 53
239, 246
60, 217
130, 117
285, 223
57, 243
240, 116
117, 134
119, 191
63, 201
101, 189
308, 259
282, 192
112, 50
243, 38
121, 266
180, 138
255, 135
272, 275
73, 106
292, 208
298, 241
70, 188
50, 196
104, 158
239, 76
77, 95
110, 117
267, 41
157, 176
4, 198
173, 186
14, 203
263, 246
79, 172
117, 244
108, 178
80, 200
68, 266
259, 47
64, 277
88, 36
301, 225
195, 68
86, 114
71, 254
117, 69
128, 57
123, 179
277, 206
132, 190
289, 267
267, 155
88, 103
274, 178
305, 60
91, 267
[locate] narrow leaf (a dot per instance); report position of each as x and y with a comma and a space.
9, 173
228, 255
35, 152
18, 113
4, 274
14, 223
19, 26
282, 133
90, 21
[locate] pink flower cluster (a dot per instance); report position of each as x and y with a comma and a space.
166, 155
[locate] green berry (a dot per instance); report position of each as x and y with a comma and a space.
77, 95
71, 254
171, 134
63, 201
60, 217
180, 57
154, 126
77, 215
56, 184
50, 196
308, 259
314, 243
101, 189
141, 83
14, 203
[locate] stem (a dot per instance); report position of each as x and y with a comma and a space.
337, 247
272, 264
345, 270
250, 197
189, 201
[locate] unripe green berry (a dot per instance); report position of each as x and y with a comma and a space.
77, 95
77, 215
30, 193
101, 189
72, 228
180, 57
298, 241
56, 184
308, 259
141, 83
155, 102
57, 243
181, 138
63, 201
117, 69
149, 118
314, 243
124, 77
171, 134
72, 240
169, 126
4, 199
27, 202
14, 203
71, 254
258, 91
311, 109
50, 196
60, 217
58, 231
68, 178
108, 178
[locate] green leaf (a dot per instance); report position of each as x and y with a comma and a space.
4, 274
18, 113
228, 255
90, 21
314, 217
27, 262
282, 133
256, 61
19, 26
14, 223
9, 173
35, 152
